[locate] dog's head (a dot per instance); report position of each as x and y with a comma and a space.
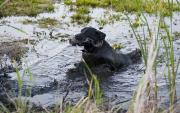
88, 37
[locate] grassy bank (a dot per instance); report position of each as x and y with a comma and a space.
25, 7
149, 6
130, 6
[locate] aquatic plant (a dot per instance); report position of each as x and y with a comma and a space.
46, 22
147, 91
81, 15
80, 19
117, 46
108, 18
83, 10
26, 7
19, 104
43, 22
149, 6
102, 22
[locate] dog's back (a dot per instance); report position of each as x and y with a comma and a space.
107, 55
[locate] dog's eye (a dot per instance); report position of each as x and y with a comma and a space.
86, 40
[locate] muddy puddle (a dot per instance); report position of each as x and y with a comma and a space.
49, 56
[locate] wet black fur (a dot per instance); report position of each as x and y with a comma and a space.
103, 55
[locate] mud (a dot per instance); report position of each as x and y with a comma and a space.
10, 51
49, 57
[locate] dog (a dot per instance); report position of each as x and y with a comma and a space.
97, 51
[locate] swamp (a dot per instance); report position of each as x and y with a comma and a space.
37, 61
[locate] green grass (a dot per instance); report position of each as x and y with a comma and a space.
131, 6
137, 22
43, 23
94, 91
147, 90
172, 66
102, 22
83, 10
27, 21
19, 104
89, 103
108, 19
26, 7
80, 18
176, 35
1, 1
149, 6
46, 22
81, 15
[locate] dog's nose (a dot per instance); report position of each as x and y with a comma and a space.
77, 36
70, 41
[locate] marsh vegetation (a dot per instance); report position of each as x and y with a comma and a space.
35, 61
25, 7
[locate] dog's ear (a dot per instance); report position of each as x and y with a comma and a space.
84, 29
101, 35
99, 41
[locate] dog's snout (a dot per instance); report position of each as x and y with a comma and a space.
70, 41
77, 36
73, 41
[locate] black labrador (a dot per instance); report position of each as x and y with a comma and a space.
99, 55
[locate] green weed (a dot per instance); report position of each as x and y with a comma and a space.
81, 15
83, 10
117, 46
43, 23
148, 89
46, 22
26, 7
149, 6
80, 19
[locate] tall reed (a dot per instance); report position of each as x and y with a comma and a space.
151, 62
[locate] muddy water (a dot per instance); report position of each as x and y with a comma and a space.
49, 58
